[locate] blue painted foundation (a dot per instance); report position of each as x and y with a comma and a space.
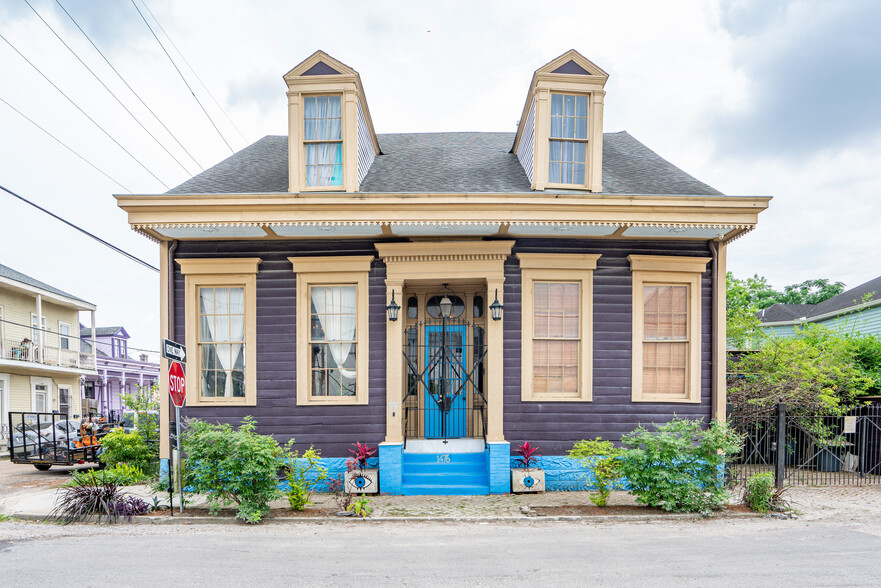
564, 474
498, 455
391, 467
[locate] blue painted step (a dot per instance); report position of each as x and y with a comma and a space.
445, 474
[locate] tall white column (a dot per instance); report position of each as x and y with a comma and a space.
41, 335
94, 347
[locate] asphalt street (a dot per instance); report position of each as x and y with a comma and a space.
753, 552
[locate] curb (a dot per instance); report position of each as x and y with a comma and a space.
191, 520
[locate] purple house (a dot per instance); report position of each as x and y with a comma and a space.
446, 295
118, 372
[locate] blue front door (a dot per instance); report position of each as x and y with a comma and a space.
445, 382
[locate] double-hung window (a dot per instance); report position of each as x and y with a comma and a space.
666, 328
332, 332
221, 331
64, 335
323, 141
567, 155
557, 326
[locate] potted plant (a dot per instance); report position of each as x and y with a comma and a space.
525, 476
829, 457
359, 478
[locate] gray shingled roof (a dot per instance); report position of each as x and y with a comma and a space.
847, 299
11, 274
99, 331
447, 162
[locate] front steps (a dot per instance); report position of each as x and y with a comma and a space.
449, 474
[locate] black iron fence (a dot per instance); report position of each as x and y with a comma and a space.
808, 449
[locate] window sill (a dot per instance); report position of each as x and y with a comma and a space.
348, 401
666, 400
221, 402
556, 399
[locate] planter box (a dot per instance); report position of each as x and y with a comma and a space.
527, 480
364, 481
829, 459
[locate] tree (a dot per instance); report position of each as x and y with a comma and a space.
745, 298
811, 291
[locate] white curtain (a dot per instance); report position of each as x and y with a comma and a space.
335, 309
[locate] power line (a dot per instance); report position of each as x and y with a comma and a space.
63, 144
138, 96
216, 103
69, 99
112, 93
83, 231
72, 336
199, 102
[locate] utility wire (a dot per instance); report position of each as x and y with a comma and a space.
138, 96
167, 36
112, 93
199, 102
72, 336
63, 144
69, 99
83, 231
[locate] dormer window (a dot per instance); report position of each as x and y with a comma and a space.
323, 140
568, 146
331, 141
559, 140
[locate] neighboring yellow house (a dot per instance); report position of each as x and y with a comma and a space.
41, 354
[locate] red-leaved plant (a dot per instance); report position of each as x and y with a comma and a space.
528, 455
362, 453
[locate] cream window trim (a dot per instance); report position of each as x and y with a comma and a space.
674, 271
543, 267
335, 271
238, 273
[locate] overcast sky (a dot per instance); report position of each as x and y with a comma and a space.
750, 96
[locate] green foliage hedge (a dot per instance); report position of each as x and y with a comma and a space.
679, 466
232, 466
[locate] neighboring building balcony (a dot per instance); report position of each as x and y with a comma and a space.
28, 354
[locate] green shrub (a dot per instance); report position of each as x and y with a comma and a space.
759, 492
121, 474
129, 448
605, 461
232, 466
303, 475
679, 466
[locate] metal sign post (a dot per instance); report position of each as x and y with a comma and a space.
180, 485
177, 389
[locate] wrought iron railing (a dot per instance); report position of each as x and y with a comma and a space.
31, 351
445, 381
808, 449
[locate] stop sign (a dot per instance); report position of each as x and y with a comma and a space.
177, 384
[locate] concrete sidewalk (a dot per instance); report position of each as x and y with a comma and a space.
849, 503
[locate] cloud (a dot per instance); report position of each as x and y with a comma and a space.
812, 77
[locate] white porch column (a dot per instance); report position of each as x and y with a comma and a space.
394, 366
94, 347
41, 335
495, 357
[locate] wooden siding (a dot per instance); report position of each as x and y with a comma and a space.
867, 322
365, 146
527, 140
553, 426
330, 428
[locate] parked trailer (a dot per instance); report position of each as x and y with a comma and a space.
44, 439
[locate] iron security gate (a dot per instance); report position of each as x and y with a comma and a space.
445, 380
812, 449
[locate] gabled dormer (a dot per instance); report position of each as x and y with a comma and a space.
560, 136
331, 141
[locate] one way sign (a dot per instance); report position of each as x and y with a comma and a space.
174, 351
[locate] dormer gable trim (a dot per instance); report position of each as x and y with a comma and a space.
561, 76
321, 74
319, 57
